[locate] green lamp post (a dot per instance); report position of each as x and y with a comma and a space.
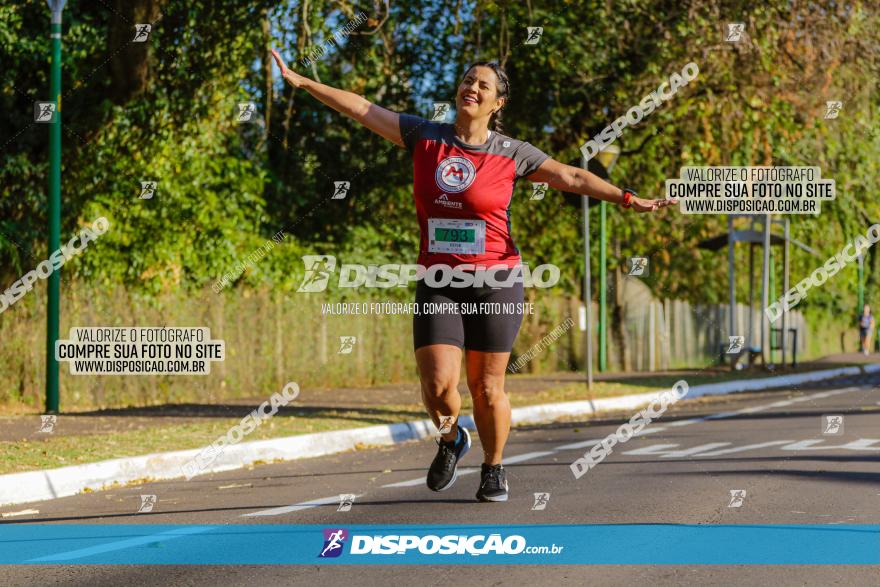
54, 305
607, 157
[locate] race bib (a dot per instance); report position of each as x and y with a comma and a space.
452, 235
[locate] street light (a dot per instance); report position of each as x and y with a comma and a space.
861, 284
599, 165
54, 305
607, 157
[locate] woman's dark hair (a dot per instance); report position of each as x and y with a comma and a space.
502, 89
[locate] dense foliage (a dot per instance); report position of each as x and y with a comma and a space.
166, 110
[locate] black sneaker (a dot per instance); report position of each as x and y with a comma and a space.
493, 483
444, 468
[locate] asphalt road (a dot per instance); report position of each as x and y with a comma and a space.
682, 471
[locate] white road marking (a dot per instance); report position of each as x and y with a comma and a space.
408, 483
863, 444
421, 480
753, 409
721, 415
296, 507
727, 451
705, 450
529, 456
691, 451
806, 398
685, 422
576, 445
655, 450
28, 512
652, 430
470, 470
803, 444
860, 444
594, 441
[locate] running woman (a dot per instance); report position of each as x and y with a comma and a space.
464, 175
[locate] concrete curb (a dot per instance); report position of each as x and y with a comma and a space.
17, 488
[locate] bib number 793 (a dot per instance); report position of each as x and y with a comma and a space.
458, 236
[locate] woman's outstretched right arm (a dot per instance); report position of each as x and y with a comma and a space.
381, 121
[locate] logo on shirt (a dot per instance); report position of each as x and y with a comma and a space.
444, 201
455, 174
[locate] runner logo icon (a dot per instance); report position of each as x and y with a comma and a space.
346, 344
334, 541
47, 423
539, 190
736, 344
246, 111
737, 497
446, 423
638, 266
832, 425
318, 271
541, 500
141, 32
148, 190
345, 502
832, 109
735, 31
44, 111
340, 189
148, 502
455, 174
441, 111
533, 34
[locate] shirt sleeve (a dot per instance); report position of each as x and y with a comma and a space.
411, 128
528, 158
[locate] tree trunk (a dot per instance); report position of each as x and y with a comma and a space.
267, 70
129, 61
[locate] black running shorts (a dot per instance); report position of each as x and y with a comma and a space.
475, 318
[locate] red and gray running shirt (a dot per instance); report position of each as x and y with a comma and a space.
463, 191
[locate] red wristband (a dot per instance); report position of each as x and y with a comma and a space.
627, 199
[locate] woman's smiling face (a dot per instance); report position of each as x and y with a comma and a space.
478, 93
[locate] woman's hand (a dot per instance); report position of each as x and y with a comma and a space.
644, 205
384, 123
293, 78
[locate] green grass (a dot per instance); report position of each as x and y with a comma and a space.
61, 451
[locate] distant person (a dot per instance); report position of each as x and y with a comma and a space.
866, 328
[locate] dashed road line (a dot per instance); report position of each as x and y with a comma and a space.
662, 450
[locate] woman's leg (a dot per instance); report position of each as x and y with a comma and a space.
485, 377
489, 338
439, 373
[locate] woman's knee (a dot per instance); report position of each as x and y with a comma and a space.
438, 386
487, 391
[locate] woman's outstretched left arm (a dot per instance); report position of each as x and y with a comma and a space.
568, 178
